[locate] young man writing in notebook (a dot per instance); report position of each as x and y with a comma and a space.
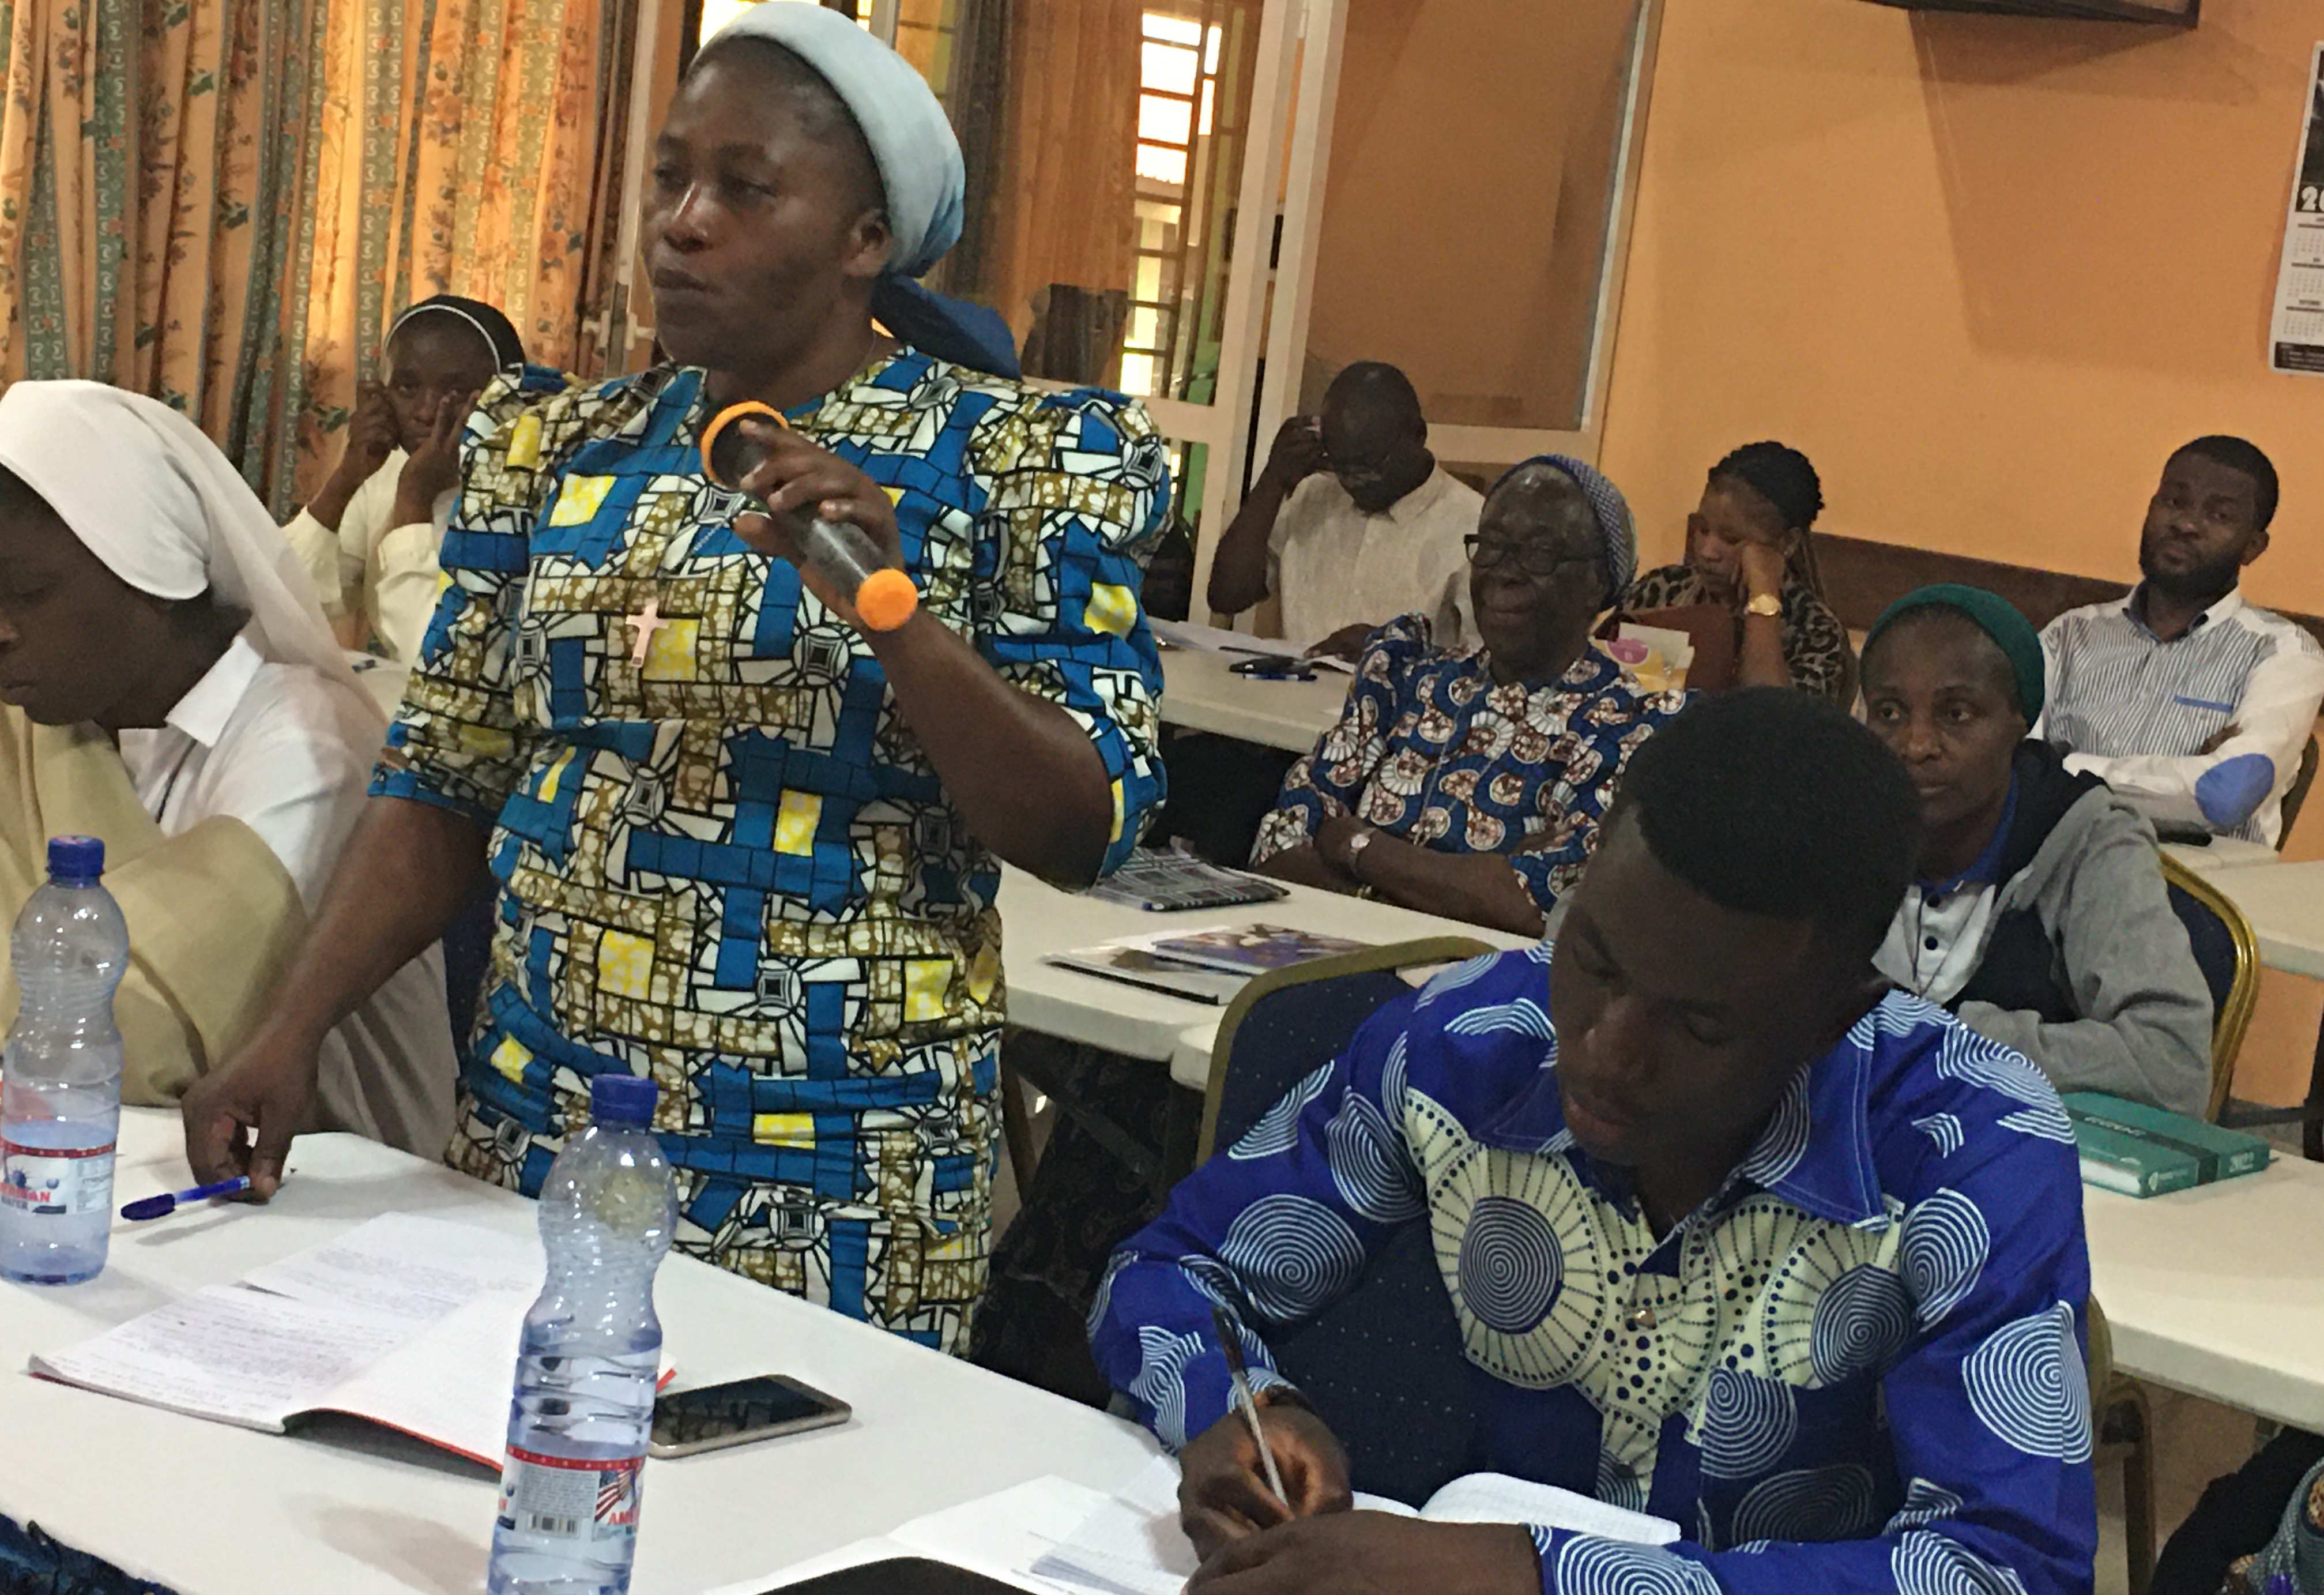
1742, 1241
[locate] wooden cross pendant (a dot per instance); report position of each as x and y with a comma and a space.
645, 623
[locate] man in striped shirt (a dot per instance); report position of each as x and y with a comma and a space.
2187, 700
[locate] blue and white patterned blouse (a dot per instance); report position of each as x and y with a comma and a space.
1862, 1370
1434, 752
726, 862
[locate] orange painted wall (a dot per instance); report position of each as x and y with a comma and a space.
1986, 270
1431, 134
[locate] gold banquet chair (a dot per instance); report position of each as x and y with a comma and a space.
2229, 955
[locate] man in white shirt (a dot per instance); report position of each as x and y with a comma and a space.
2187, 700
174, 691
1352, 522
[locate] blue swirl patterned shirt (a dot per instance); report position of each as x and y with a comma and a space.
1863, 1369
725, 862
1434, 752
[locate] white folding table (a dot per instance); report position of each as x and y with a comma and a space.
1037, 919
1201, 692
2220, 1291
2286, 906
207, 1509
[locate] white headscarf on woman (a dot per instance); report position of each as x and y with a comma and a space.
154, 500
921, 175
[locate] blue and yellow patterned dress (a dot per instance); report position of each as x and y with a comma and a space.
731, 867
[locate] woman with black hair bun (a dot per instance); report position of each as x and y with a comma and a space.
1749, 546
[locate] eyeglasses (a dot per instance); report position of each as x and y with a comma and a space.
1534, 559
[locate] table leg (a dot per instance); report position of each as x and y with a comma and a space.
2312, 1127
2308, 1115
1182, 1134
1016, 1123
1052, 1068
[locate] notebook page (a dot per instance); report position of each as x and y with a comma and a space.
1496, 1498
1129, 1544
1004, 1535
234, 1355
411, 1267
448, 1384
1155, 1487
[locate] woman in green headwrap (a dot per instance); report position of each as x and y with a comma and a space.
2039, 913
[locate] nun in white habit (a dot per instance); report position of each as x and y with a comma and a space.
172, 688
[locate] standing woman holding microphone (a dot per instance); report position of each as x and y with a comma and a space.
743, 839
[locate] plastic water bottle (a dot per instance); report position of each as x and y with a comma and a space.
589, 1358
61, 1077
837, 553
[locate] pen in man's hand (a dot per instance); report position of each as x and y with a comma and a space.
1244, 1402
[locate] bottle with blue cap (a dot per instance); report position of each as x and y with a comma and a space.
589, 1358
61, 1076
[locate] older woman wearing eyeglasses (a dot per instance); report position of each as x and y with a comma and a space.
1470, 783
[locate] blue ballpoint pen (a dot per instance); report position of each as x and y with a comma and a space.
162, 1207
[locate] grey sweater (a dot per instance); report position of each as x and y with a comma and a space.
2119, 959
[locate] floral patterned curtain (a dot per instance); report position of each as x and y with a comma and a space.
224, 202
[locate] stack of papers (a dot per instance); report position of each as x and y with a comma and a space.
1159, 881
1207, 965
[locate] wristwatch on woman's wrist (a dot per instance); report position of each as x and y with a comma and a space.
1356, 845
1767, 605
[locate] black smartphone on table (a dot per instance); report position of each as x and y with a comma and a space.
1275, 667
738, 1412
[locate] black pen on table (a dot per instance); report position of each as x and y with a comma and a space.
1244, 1402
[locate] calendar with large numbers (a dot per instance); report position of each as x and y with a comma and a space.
2296, 340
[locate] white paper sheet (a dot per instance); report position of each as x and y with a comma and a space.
414, 1267
1131, 1544
1003, 1536
1199, 639
448, 1384
1496, 1498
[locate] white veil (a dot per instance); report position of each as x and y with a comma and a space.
152, 496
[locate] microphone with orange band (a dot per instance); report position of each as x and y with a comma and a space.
840, 555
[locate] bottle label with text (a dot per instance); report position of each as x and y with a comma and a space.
567, 1498
58, 1180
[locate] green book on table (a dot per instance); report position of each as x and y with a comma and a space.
2143, 1151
